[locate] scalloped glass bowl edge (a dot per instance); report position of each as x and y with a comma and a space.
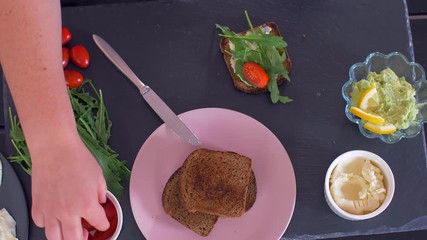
414, 74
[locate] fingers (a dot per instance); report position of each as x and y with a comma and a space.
102, 190
52, 229
97, 218
72, 229
85, 234
37, 216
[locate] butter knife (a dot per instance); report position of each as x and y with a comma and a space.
156, 103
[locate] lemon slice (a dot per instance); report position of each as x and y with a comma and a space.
367, 116
368, 99
380, 129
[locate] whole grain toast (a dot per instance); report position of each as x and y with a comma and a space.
200, 223
215, 182
225, 49
252, 192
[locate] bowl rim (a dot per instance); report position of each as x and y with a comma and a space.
352, 80
119, 210
385, 170
387, 56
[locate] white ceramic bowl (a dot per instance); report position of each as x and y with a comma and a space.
388, 183
119, 215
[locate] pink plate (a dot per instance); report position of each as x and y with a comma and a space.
218, 129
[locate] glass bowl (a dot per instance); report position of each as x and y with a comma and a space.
414, 74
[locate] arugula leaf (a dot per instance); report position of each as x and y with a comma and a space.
273, 88
284, 99
271, 41
239, 72
18, 142
17, 132
225, 30
94, 128
249, 21
264, 49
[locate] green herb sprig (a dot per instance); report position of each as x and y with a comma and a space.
264, 49
94, 128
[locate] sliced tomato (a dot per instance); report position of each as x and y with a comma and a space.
80, 56
110, 210
66, 35
255, 74
73, 78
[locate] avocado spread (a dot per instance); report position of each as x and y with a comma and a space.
395, 101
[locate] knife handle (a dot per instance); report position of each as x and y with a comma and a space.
118, 61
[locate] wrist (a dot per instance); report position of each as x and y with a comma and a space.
54, 139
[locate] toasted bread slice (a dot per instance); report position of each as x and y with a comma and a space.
200, 223
225, 49
215, 182
252, 192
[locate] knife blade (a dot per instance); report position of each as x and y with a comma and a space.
156, 103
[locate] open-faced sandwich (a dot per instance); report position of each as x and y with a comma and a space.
257, 59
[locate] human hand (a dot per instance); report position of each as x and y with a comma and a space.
67, 185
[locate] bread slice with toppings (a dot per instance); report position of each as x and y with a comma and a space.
270, 28
200, 223
215, 182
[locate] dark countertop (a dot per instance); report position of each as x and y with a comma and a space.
420, 40
417, 7
1, 103
173, 47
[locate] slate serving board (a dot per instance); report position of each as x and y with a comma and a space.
173, 47
1, 102
12, 198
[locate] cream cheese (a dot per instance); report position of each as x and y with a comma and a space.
357, 186
7, 226
266, 29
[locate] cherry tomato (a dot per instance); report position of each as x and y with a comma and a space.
65, 57
255, 74
73, 78
66, 35
106, 234
80, 56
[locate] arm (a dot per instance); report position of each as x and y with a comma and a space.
67, 182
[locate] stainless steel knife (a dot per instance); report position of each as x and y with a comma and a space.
155, 102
